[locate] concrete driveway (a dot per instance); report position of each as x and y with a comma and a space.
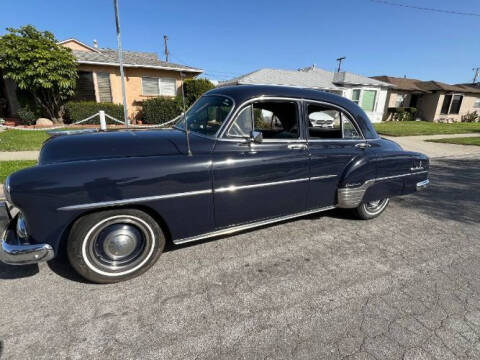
404, 286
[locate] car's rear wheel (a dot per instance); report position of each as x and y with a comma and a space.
371, 209
114, 245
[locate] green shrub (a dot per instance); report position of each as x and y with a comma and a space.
26, 115
194, 88
471, 117
79, 110
161, 109
404, 114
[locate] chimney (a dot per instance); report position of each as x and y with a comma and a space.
95, 43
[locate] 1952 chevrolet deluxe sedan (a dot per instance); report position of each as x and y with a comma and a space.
241, 157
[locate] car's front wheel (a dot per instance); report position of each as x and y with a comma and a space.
371, 209
114, 245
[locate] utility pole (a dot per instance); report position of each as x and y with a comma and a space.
340, 59
120, 60
165, 39
476, 69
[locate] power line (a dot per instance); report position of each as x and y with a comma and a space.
452, 12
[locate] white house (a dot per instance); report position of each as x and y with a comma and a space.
370, 94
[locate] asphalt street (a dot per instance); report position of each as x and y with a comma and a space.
403, 286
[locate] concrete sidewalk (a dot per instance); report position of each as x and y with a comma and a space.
19, 155
436, 150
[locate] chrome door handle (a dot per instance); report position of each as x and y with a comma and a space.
297, 146
363, 145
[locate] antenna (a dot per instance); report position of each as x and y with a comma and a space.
187, 130
340, 59
476, 69
165, 39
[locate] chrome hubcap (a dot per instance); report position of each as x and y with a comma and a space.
119, 244
120, 241
376, 206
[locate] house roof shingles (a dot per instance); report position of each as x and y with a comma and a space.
130, 59
311, 77
407, 84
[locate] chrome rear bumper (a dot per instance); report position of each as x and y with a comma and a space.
422, 185
15, 252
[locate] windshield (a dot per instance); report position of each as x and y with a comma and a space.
207, 114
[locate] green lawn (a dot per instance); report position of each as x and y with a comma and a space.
460, 141
20, 140
409, 128
8, 167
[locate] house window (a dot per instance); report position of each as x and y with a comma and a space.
368, 100
159, 86
85, 88
356, 96
451, 104
477, 104
104, 88
400, 100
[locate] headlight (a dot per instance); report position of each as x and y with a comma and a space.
22, 231
6, 188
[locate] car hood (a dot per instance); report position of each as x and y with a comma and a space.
111, 144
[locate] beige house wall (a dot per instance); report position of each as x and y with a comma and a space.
133, 84
468, 105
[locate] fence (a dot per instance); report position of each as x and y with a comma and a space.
102, 121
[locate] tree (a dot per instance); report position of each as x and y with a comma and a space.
194, 88
39, 66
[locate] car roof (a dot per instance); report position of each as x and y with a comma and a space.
242, 93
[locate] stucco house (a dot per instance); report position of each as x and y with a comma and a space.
369, 93
146, 76
434, 100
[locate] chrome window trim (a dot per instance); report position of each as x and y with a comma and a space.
351, 118
222, 135
132, 200
237, 228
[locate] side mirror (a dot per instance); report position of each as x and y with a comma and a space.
256, 137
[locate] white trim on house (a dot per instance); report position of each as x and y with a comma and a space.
79, 43
141, 66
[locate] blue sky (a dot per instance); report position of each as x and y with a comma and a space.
229, 38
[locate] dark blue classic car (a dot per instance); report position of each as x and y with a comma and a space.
241, 157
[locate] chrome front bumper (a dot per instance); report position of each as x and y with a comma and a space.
15, 252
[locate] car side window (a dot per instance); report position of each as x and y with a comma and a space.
242, 126
276, 119
326, 122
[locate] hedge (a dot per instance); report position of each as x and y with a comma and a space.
161, 109
194, 88
79, 110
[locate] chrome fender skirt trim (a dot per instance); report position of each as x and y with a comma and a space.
351, 197
234, 229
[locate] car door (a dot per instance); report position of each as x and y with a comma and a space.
334, 141
256, 180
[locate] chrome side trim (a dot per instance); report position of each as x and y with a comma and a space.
313, 178
416, 168
253, 186
252, 225
132, 201
399, 176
